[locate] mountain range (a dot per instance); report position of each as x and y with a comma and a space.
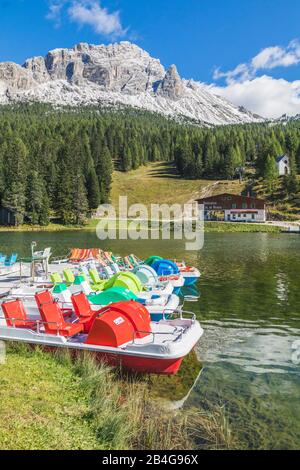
113, 75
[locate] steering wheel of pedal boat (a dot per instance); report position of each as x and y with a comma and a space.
169, 278
188, 269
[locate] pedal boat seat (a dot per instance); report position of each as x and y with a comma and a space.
46, 297
54, 321
84, 311
16, 316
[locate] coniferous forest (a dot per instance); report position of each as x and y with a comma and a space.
58, 163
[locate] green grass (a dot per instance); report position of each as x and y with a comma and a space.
42, 405
232, 227
51, 402
282, 207
90, 225
159, 183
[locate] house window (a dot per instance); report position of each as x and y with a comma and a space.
244, 205
253, 216
244, 215
234, 205
253, 205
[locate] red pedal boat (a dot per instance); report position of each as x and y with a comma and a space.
120, 334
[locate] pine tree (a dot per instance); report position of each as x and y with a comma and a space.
271, 172
104, 171
232, 161
14, 194
80, 201
37, 200
14, 200
291, 184
93, 189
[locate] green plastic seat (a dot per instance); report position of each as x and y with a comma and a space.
79, 280
97, 282
56, 278
153, 259
59, 288
69, 276
134, 260
126, 280
113, 295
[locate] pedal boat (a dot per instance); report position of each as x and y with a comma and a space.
121, 334
159, 306
165, 267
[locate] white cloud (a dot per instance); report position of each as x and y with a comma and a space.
55, 10
241, 72
264, 95
269, 58
88, 13
273, 57
91, 13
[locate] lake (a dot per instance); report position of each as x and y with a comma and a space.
250, 310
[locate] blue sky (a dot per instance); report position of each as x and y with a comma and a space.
242, 47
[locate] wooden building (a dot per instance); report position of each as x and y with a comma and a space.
234, 208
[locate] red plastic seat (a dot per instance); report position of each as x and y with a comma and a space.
84, 311
55, 323
46, 297
16, 316
82, 306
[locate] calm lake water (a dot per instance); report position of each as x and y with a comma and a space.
250, 310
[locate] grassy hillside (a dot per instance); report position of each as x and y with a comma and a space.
159, 183
281, 205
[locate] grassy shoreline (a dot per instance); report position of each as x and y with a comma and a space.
48, 401
210, 227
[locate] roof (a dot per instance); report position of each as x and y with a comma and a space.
228, 201
281, 157
232, 196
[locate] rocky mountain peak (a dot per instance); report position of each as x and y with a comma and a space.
116, 74
171, 86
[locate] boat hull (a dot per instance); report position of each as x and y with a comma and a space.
141, 365
177, 290
190, 281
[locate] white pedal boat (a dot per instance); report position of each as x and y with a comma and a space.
120, 334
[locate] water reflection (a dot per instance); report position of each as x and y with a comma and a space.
282, 288
175, 390
259, 350
263, 410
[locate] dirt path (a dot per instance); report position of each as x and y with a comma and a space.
205, 192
